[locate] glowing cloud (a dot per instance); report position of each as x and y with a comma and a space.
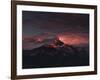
73, 39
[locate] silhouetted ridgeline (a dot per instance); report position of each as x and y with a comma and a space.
59, 56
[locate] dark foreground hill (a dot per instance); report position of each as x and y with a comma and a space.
58, 55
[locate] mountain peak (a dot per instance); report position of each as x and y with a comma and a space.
56, 43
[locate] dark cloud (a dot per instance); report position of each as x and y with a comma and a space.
35, 22
47, 25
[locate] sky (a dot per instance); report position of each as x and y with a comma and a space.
39, 28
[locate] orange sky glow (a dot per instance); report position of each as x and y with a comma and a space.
73, 39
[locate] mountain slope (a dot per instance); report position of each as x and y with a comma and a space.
56, 54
